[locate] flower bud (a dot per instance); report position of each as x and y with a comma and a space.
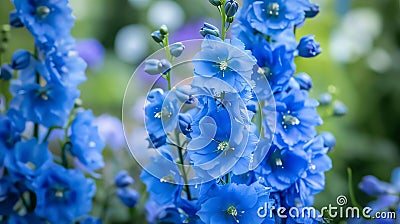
209, 29
312, 11
215, 2
329, 140
339, 109
157, 36
176, 49
155, 66
152, 66
122, 179
20, 59
165, 66
231, 7
163, 29
308, 47
15, 21
325, 99
6, 72
304, 81
129, 197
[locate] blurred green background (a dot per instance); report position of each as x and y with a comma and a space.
359, 66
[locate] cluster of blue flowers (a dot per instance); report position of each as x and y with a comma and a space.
248, 137
39, 183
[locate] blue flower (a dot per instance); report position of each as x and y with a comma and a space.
48, 104
308, 47
63, 195
271, 17
63, 66
162, 179
296, 117
277, 65
221, 141
27, 159
11, 127
282, 167
128, 196
9, 196
6, 72
122, 179
20, 59
374, 187
233, 203
304, 81
161, 116
87, 145
46, 20
312, 181
226, 60
156, 213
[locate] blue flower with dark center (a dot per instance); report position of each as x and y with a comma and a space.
46, 103
296, 117
233, 203
47, 20
221, 142
282, 167
226, 60
27, 160
62, 195
87, 145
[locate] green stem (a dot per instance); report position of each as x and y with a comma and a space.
37, 75
351, 190
182, 165
223, 20
169, 58
260, 118
64, 158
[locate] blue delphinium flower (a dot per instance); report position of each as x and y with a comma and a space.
87, 145
9, 195
215, 149
48, 104
63, 195
276, 64
233, 203
162, 179
271, 17
11, 127
27, 159
296, 117
312, 180
46, 20
282, 167
161, 116
226, 60
156, 213
64, 67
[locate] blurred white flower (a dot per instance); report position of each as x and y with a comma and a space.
131, 43
379, 60
166, 12
355, 35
